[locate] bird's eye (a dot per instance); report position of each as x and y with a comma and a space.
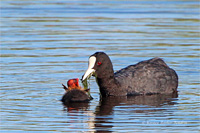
99, 63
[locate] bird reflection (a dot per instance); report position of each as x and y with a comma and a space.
103, 114
83, 106
106, 107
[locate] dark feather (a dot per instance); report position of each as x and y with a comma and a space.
144, 78
75, 95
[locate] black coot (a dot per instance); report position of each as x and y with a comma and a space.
74, 93
146, 77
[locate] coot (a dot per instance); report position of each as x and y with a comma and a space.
74, 93
146, 77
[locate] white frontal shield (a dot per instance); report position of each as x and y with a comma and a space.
90, 70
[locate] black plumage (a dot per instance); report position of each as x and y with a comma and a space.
75, 95
146, 77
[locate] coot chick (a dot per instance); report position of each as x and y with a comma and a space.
74, 93
146, 77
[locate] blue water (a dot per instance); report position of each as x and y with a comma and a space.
45, 43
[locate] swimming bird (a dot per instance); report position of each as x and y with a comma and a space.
147, 77
74, 93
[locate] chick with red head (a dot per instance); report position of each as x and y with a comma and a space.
74, 92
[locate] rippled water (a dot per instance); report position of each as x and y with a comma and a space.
45, 43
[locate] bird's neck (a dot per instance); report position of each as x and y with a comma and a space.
107, 85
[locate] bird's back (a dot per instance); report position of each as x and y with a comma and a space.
147, 77
75, 95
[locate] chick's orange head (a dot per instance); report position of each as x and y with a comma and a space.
73, 83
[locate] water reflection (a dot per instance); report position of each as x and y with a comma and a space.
76, 106
103, 115
106, 105
104, 112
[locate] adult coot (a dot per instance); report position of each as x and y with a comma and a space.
74, 93
146, 77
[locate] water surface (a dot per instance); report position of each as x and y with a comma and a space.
45, 43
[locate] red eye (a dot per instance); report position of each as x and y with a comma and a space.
98, 63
